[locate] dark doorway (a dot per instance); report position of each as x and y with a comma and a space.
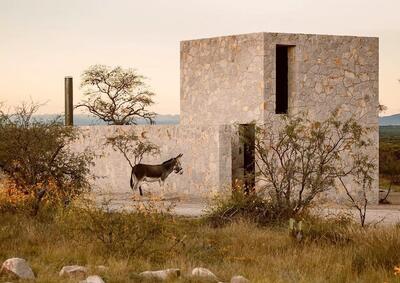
282, 79
247, 132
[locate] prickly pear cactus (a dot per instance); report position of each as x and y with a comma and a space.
296, 229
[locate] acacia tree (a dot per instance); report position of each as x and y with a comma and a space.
304, 158
361, 174
115, 95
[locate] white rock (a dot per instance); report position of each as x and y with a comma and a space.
101, 267
93, 279
19, 267
73, 271
239, 279
204, 273
161, 274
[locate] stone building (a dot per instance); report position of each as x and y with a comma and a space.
244, 79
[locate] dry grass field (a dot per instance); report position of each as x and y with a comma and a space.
334, 250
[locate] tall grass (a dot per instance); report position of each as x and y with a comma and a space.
128, 243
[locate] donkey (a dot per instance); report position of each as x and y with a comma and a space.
153, 173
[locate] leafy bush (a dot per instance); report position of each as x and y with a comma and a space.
303, 158
37, 160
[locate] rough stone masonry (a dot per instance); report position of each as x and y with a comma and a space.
231, 80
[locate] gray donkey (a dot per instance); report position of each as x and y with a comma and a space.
153, 173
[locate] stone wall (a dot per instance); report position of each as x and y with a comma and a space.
205, 160
330, 72
231, 79
222, 80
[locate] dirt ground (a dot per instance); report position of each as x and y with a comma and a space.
388, 214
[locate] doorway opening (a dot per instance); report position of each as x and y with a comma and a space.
243, 162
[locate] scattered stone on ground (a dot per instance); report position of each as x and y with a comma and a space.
93, 279
101, 267
239, 279
161, 274
204, 274
76, 271
18, 267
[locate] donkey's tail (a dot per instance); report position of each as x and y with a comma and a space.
131, 181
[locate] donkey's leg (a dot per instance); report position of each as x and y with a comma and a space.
140, 190
132, 180
137, 186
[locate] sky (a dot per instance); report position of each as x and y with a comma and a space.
42, 41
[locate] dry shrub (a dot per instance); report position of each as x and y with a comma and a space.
37, 158
334, 230
12, 199
299, 159
142, 232
242, 206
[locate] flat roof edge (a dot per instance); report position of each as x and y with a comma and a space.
276, 33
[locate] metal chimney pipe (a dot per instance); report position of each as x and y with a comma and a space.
69, 104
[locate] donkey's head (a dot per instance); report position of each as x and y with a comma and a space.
177, 166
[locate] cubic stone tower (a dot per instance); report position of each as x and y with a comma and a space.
254, 78
246, 78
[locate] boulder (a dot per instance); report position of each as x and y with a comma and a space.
93, 279
18, 267
239, 279
204, 274
164, 274
76, 271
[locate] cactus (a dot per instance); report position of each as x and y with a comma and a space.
296, 229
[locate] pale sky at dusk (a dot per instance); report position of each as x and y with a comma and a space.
41, 42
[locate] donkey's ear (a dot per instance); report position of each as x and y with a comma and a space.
180, 155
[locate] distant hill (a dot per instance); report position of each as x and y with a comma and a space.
86, 120
390, 120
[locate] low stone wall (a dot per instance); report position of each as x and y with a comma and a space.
206, 159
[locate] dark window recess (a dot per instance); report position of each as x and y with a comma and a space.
248, 137
282, 81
